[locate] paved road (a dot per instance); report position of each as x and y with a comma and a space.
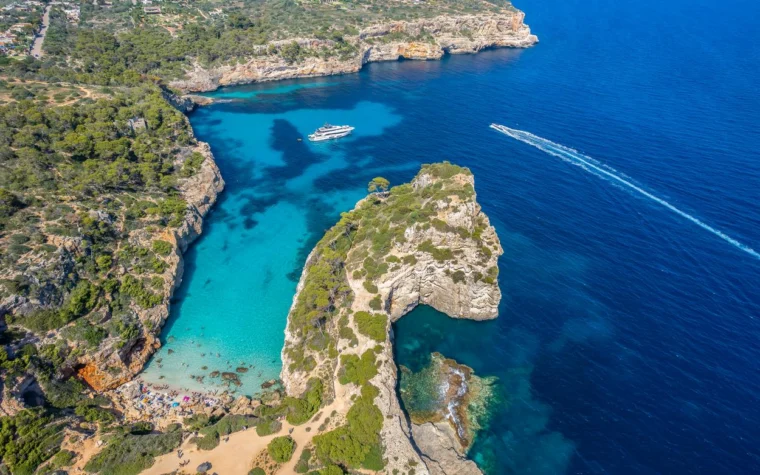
37, 44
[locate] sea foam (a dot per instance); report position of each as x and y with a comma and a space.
592, 166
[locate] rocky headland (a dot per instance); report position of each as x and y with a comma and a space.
427, 242
423, 39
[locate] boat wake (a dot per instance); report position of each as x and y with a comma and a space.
592, 166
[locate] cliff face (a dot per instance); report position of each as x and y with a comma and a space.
443, 253
459, 288
424, 39
112, 365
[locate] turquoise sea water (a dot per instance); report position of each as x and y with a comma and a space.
627, 335
241, 276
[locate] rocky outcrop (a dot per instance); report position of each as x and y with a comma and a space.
424, 39
444, 254
113, 365
447, 405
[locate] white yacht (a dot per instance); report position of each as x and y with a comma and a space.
328, 132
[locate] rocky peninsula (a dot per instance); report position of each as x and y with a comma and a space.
422, 39
427, 242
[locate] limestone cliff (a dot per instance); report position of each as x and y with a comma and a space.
113, 365
426, 242
423, 39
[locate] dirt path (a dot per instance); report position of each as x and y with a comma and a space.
40, 38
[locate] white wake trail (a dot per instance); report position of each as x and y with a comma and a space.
589, 164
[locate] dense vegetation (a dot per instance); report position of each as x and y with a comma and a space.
281, 448
373, 325
358, 369
28, 439
81, 174
356, 444
130, 453
210, 434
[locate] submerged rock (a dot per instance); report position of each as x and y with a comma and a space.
446, 391
231, 378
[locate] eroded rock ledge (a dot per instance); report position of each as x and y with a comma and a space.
425, 39
427, 242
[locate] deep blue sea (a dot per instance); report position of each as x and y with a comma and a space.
628, 339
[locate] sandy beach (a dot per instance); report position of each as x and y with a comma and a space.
236, 455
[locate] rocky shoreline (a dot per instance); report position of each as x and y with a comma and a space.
447, 402
425, 39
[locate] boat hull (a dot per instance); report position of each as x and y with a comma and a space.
323, 138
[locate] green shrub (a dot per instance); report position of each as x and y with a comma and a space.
300, 410
196, 422
374, 459
208, 441
64, 458
281, 448
439, 254
376, 303
331, 470
357, 370
94, 414
492, 274
136, 289
372, 325
409, 259
444, 170
81, 301
130, 454
268, 426
162, 248
192, 164
104, 262
28, 439
347, 334
370, 287
210, 434
350, 444
257, 471
302, 466
458, 276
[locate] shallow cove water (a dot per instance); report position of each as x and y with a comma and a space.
627, 336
